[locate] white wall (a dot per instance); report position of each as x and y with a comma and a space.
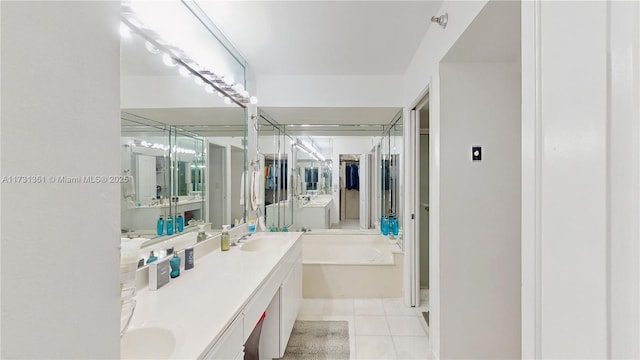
624, 179
580, 137
422, 73
480, 211
60, 257
566, 155
330, 91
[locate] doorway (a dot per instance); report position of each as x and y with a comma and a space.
217, 186
349, 191
423, 231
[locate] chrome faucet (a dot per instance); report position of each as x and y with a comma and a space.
242, 237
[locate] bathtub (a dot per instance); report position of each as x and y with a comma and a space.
351, 266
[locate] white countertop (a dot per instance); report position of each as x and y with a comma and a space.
202, 302
166, 204
319, 201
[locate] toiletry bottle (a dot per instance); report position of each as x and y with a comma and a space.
160, 226
170, 225
224, 238
201, 234
188, 258
175, 266
180, 223
152, 257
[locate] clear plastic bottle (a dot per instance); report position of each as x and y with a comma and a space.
224, 238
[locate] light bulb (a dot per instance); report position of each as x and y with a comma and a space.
227, 100
198, 80
245, 93
208, 88
238, 88
184, 71
228, 80
168, 60
253, 100
151, 48
125, 32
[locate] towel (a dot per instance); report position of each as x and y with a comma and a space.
129, 187
257, 190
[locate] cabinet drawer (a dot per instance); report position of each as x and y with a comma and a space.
230, 343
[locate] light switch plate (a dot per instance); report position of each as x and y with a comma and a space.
476, 153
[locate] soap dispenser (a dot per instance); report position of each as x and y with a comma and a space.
180, 222
170, 225
201, 234
160, 226
224, 238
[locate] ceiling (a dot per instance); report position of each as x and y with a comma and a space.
493, 36
324, 37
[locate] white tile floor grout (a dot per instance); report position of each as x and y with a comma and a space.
378, 328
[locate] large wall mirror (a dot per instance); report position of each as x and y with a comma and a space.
276, 161
390, 181
183, 139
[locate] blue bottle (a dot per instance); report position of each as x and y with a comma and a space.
160, 226
170, 227
180, 223
175, 266
384, 226
152, 258
393, 225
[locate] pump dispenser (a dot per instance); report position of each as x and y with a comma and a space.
170, 226
160, 226
224, 238
201, 234
152, 257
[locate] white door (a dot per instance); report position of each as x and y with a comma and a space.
365, 176
411, 213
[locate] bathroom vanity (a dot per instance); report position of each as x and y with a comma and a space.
212, 309
316, 214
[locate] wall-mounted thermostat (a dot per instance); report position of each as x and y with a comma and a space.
476, 153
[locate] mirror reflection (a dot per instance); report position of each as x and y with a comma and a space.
183, 147
390, 180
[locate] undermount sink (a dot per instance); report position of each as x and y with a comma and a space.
147, 342
261, 243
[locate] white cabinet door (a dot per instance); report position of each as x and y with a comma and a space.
290, 300
230, 344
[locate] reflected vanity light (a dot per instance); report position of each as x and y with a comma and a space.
168, 60
309, 150
173, 54
152, 49
184, 71
124, 30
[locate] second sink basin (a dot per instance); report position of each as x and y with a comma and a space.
148, 342
263, 242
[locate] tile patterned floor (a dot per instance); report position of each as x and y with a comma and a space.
378, 328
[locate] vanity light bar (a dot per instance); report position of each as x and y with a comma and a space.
309, 150
182, 59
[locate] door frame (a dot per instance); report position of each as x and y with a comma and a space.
411, 223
